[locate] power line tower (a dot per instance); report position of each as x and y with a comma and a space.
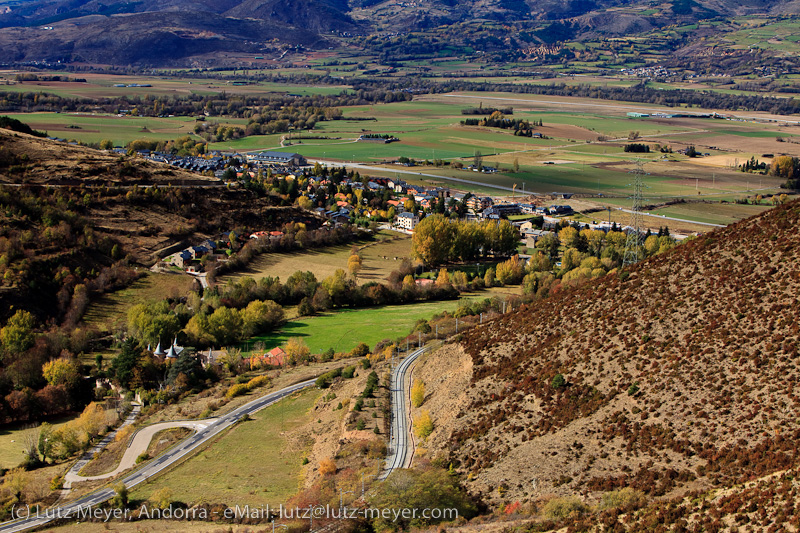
633, 244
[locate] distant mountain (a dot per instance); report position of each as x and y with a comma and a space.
202, 32
678, 375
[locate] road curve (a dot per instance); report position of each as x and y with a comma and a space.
152, 468
401, 444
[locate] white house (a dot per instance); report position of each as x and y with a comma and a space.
407, 221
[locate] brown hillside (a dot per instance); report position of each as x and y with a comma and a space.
68, 210
708, 333
33, 160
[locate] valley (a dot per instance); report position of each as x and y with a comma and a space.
477, 266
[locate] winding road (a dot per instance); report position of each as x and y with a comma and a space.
208, 429
401, 443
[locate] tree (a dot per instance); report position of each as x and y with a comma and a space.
327, 467
225, 325
478, 160
558, 381
120, 499
161, 499
417, 393
432, 240
106, 144
61, 371
124, 363
443, 279
488, 277
549, 244
423, 425
17, 335
354, 265
260, 316
426, 488
296, 351
516, 165
304, 202
460, 280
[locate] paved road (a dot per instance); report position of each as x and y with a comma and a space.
401, 443
72, 473
677, 219
152, 468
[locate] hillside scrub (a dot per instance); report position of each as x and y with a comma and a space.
676, 375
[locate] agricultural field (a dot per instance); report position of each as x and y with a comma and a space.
270, 480
102, 86
380, 258
582, 150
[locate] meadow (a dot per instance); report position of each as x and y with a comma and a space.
268, 480
109, 311
379, 259
343, 330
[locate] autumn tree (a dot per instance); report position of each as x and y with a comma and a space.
61, 371
327, 467
17, 335
417, 393
354, 265
443, 279
423, 425
296, 351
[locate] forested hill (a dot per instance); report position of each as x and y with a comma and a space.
679, 374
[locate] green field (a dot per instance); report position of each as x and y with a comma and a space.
93, 128
252, 464
344, 330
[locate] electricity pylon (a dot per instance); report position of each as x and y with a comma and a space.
633, 244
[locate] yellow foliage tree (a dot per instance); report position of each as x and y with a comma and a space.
327, 467
61, 371
423, 425
417, 393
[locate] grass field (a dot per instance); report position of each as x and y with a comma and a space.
344, 330
378, 260
252, 464
12, 441
110, 310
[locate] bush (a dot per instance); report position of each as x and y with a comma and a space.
258, 381
237, 390
349, 372
558, 381
626, 499
142, 458
560, 508
360, 425
360, 351
327, 467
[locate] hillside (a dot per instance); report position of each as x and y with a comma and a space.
73, 215
180, 32
678, 377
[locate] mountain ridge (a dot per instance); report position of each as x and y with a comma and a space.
179, 32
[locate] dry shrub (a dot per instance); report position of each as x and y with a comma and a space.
560, 508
